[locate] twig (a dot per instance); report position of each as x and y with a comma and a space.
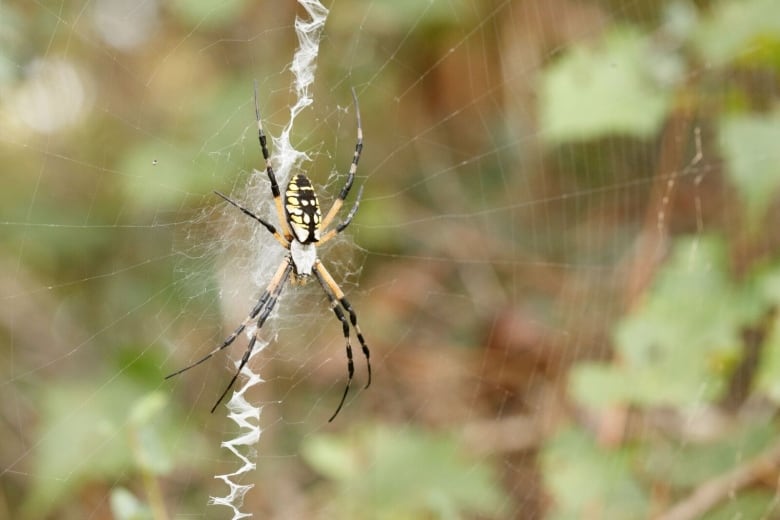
709, 494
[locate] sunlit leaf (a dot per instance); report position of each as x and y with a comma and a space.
125, 506
88, 435
150, 452
679, 345
587, 481
83, 439
332, 456
148, 407
602, 89
768, 284
768, 380
403, 474
738, 29
598, 384
749, 146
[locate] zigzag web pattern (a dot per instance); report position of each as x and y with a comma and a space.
286, 157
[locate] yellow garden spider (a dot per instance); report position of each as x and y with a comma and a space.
302, 228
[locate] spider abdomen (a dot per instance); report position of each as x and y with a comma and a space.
302, 210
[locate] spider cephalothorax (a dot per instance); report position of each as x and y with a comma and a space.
302, 229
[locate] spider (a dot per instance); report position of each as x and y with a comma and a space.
302, 229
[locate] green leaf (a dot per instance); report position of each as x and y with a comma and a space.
749, 144
737, 29
598, 385
768, 283
144, 411
607, 88
587, 481
124, 506
332, 456
149, 449
402, 473
687, 465
676, 348
82, 439
96, 434
768, 380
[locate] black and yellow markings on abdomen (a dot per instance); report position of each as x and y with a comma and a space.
303, 210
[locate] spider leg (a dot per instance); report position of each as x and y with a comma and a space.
276, 281
361, 339
244, 360
336, 297
273, 291
352, 170
341, 227
265, 224
334, 305
270, 171
230, 339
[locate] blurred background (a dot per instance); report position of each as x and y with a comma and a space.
566, 262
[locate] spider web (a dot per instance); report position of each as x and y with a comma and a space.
564, 263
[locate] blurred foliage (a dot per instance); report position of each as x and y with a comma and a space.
703, 334
124, 506
691, 303
591, 481
606, 88
739, 33
570, 266
400, 474
747, 142
684, 466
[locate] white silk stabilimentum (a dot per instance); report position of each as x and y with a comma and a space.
286, 157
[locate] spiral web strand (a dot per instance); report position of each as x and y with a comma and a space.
286, 157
